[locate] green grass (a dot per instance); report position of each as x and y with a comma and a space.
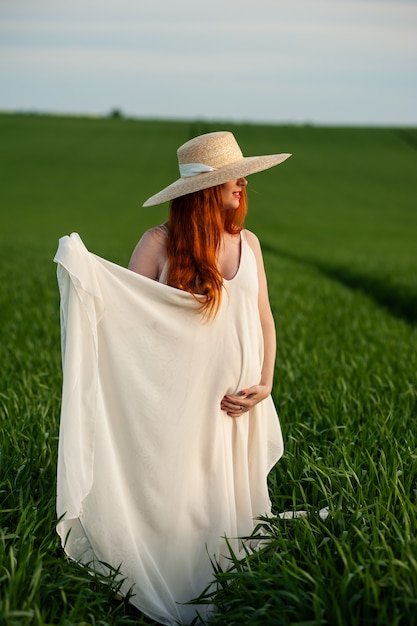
338, 224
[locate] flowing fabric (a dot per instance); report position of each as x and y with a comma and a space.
152, 475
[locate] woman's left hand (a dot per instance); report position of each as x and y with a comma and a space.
235, 406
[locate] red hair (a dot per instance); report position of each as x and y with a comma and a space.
196, 224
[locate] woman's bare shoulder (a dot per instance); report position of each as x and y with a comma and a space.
154, 238
159, 232
149, 254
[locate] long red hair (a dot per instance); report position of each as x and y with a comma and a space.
196, 224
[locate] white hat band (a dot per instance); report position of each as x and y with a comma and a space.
191, 169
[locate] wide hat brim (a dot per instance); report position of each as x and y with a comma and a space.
204, 180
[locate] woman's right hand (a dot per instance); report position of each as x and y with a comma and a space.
236, 406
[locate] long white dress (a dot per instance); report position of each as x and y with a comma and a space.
152, 475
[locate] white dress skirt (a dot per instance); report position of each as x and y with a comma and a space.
152, 475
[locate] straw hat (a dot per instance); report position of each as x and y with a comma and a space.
212, 159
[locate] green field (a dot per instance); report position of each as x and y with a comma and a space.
338, 225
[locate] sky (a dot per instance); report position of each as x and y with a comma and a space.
348, 62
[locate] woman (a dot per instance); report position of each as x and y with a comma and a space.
168, 429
